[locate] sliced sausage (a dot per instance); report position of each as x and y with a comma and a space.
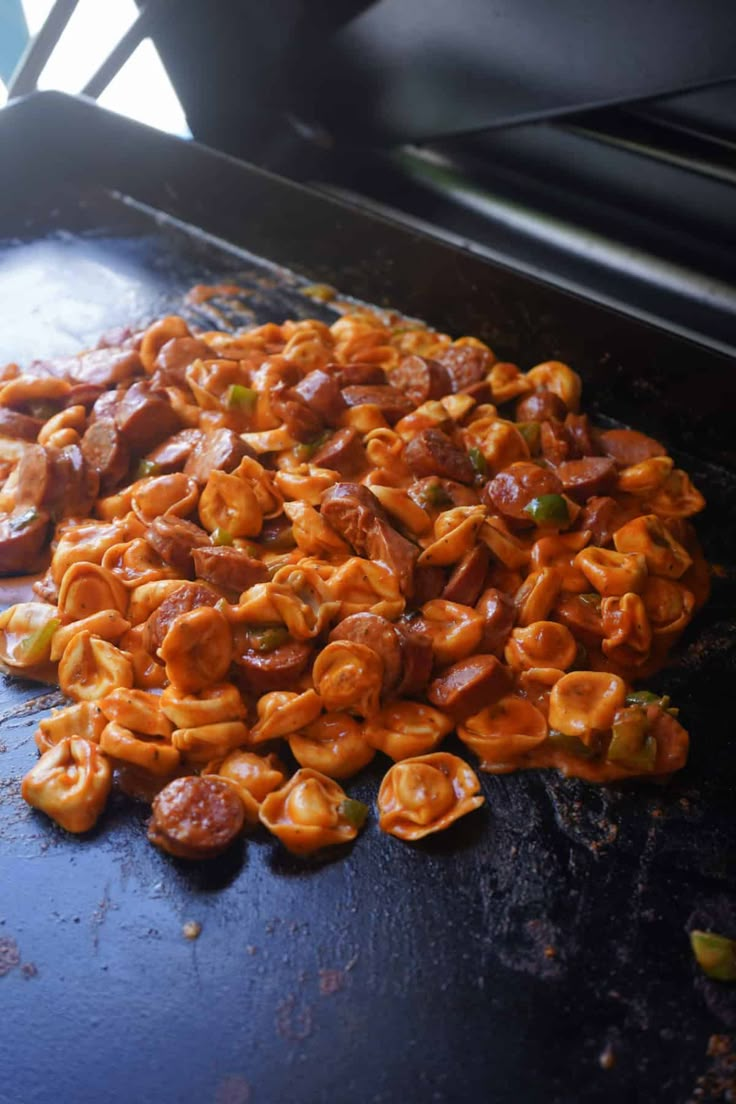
172, 454
343, 452
73, 485
581, 617
22, 536
185, 598
581, 436
21, 426
175, 539
442, 493
33, 477
83, 394
554, 443
277, 534
595, 475
175, 356
380, 635
432, 452
540, 406
429, 582
421, 379
481, 391
356, 515
105, 450
417, 657
513, 489
498, 612
302, 422
196, 817
466, 365
392, 404
466, 581
145, 418
106, 404
600, 516
347, 375
470, 685
628, 446
321, 392
221, 450
229, 568
102, 367
260, 672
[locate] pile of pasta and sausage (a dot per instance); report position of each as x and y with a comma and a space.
345, 540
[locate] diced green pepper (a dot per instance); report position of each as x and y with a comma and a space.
22, 521
573, 744
221, 538
239, 397
592, 599
146, 468
479, 462
355, 812
306, 450
282, 540
268, 638
36, 646
631, 745
715, 955
549, 509
531, 432
646, 697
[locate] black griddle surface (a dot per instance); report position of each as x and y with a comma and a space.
500, 962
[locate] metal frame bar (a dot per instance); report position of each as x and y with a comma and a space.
40, 49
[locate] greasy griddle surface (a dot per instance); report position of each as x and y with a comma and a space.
506, 960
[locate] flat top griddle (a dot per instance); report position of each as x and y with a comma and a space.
537, 951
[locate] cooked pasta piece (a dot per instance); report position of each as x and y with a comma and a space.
404, 729
70, 783
335, 744
309, 813
426, 794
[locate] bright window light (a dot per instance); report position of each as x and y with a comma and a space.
3, 94
141, 90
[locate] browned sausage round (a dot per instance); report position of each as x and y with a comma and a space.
13, 424
481, 391
628, 446
379, 634
417, 657
580, 434
364, 375
600, 516
429, 582
22, 535
83, 394
175, 539
554, 442
187, 597
432, 452
228, 568
196, 818
470, 685
420, 379
301, 421
277, 534
499, 613
105, 450
582, 616
321, 392
101, 367
540, 406
260, 672
221, 450
595, 475
466, 365
105, 405
73, 485
392, 404
175, 356
466, 581
172, 454
358, 517
442, 493
514, 488
33, 475
343, 452
145, 418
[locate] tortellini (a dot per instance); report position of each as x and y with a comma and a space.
70, 783
426, 794
309, 813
